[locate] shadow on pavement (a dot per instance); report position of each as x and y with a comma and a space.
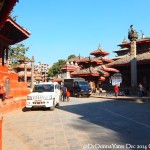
35, 109
131, 121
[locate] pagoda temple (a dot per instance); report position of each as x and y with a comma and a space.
70, 66
10, 33
94, 69
123, 63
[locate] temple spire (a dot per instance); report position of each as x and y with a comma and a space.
79, 56
142, 35
124, 40
99, 47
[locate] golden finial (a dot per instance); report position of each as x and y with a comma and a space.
124, 40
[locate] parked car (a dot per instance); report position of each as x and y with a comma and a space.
78, 87
45, 94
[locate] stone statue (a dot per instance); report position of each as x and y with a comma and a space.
131, 29
132, 34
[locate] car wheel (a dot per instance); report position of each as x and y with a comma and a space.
88, 95
79, 95
57, 105
53, 107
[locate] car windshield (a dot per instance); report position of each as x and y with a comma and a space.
83, 83
43, 88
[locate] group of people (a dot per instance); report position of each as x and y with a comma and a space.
142, 91
65, 94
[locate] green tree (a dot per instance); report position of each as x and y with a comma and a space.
71, 56
17, 52
55, 70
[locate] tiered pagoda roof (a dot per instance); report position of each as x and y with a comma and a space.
100, 71
59, 80
6, 7
90, 60
138, 41
22, 74
94, 66
141, 59
22, 66
37, 76
94, 61
70, 66
142, 46
99, 52
74, 59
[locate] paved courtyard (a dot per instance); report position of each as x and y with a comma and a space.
81, 124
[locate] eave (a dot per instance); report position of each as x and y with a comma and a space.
139, 41
6, 7
86, 74
13, 32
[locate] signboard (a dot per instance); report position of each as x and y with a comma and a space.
116, 79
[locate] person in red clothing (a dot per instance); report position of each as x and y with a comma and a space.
68, 95
116, 89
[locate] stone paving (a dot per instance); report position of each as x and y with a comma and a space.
81, 124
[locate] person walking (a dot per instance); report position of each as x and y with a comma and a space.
116, 90
68, 95
64, 91
141, 90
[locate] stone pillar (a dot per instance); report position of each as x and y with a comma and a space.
133, 65
3, 56
133, 36
7, 56
25, 72
32, 72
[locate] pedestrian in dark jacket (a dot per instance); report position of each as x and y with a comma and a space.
141, 90
64, 91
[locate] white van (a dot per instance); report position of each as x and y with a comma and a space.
46, 94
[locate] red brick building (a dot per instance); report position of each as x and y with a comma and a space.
10, 33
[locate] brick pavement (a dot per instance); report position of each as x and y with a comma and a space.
66, 128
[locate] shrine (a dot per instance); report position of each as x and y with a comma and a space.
93, 68
132, 60
70, 66
10, 33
